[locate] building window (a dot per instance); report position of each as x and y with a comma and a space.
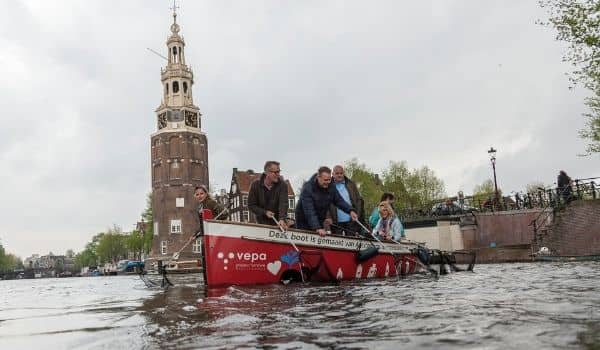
179, 202
155, 228
292, 216
176, 226
175, 86
197, 246
184, 87
244, 201
291, 203
246, 215
163, 247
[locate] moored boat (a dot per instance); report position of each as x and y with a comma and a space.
246, 254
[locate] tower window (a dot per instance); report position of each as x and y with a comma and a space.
167, 89
184, 87
174, 50
175, 87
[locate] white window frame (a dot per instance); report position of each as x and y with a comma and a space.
197, 246
179, 202
156, 228
246, 216
292, 216
176, 226
291, 203
244, 201
163, 247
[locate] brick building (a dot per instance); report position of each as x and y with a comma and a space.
238, 196
179, 155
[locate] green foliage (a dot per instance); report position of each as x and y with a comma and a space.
577, 23
414, 190
484, 191
111, 246
367, 181
9, 262
534, 186
135, 243
148, 218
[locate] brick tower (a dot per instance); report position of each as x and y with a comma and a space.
179, 153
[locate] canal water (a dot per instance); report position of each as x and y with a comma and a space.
510, 306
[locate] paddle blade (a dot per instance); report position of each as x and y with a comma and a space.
175, 256
366, 254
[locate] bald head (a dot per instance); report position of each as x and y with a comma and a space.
338, 173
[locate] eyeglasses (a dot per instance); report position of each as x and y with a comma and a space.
275, 171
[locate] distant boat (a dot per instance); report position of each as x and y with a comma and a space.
129, 267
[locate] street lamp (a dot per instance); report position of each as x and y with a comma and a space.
492, 153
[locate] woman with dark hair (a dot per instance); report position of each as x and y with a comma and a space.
385, 197
205, 201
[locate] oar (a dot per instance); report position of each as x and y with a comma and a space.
285, 233
293, 245
194, 237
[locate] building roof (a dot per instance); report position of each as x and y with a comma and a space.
245, 178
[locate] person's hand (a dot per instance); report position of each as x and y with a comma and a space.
354, 216
321, 232
269, 214
283, 224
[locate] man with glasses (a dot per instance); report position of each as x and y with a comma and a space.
268, 196
317, 195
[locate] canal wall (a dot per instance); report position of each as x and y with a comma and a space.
574, 231
499, 237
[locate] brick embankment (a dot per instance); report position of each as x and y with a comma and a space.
575, 230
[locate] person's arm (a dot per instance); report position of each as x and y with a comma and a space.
397, 230
377, 227
309, 209
374, 217
283, 200
339, 202
253, 200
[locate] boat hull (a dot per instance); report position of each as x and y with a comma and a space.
250, 254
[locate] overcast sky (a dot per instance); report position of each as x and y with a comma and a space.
304, 82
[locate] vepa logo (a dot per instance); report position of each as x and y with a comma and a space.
242, 256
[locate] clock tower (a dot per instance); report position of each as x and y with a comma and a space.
179, 155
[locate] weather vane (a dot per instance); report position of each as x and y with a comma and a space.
174, 8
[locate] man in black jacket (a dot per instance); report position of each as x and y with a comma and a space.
317, 195
268, 196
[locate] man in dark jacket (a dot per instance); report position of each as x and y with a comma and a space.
349, 192
317, 195
268, 196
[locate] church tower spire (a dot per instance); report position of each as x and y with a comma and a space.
179, 154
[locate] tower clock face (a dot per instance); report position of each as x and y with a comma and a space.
174, 116
191, 119
162, 120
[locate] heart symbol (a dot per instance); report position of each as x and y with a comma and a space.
274, 267
290, 257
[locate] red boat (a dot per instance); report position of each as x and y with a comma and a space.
248, 254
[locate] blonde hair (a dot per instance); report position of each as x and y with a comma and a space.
387, 206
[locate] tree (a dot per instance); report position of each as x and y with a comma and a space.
577, 23
414, 190
135, 244
148, 228
485, 192
534, 187
368, 182
111, 245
